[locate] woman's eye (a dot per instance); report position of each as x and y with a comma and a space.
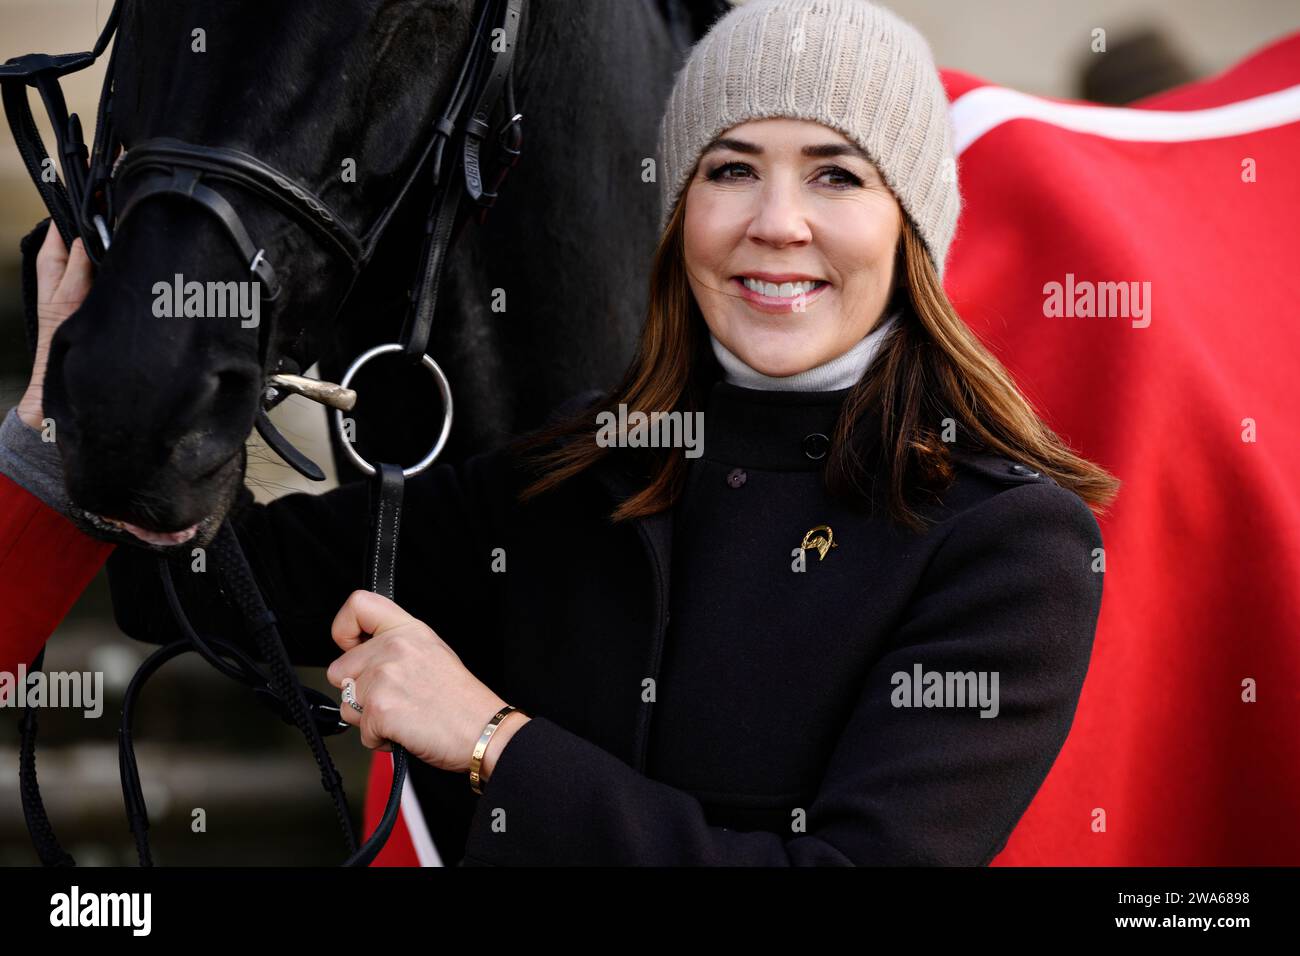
717, 172
846, 178
840, 178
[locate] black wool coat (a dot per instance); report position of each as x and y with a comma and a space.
695, 699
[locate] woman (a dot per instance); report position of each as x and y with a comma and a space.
851, 627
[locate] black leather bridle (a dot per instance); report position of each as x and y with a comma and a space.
101, 188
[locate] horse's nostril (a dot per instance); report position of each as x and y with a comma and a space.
211, 424
235, 380
230, 388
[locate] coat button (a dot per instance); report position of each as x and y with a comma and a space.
736, 477
816, 445
1023, 470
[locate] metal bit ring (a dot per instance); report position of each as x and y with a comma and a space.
444, 387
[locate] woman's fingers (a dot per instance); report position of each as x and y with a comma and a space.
78, 276
347, 713
365, 614
371, 667
51, 261
63, 280
351, 715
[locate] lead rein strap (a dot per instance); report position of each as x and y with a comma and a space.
240, 584
386, 488
32, 150
48, 848
280, 690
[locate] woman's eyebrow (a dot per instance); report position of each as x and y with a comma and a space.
818, 150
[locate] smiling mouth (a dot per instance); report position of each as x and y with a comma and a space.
779, 296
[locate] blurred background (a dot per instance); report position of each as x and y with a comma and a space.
199, 744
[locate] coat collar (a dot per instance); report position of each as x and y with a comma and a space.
770, 430
750, 428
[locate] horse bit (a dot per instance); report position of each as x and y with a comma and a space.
98, 192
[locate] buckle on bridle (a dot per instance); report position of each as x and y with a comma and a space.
509, 142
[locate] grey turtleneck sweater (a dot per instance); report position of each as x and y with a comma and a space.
843, 371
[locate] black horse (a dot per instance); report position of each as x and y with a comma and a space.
152, 413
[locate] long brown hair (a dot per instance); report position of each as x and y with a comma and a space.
930, 372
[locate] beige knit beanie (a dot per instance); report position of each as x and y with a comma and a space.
849, 64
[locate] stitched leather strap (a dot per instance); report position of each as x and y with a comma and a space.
28, 138
164, 154
185, 182
385, 522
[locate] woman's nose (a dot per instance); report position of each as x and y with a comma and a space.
781, 217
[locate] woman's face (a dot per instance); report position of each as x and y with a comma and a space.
779, 201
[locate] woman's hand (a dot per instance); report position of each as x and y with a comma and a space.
63, 280
412, 687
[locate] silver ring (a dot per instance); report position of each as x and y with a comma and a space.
444, 387
350, 694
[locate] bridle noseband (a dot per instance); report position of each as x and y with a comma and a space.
99, 191
170, 167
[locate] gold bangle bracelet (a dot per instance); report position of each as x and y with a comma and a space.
476, 760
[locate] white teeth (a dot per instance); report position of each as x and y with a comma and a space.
786, 290
149, 537
160, 538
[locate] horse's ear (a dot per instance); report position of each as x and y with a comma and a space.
704, 13
693, 17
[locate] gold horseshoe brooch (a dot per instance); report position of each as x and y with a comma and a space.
823, 543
